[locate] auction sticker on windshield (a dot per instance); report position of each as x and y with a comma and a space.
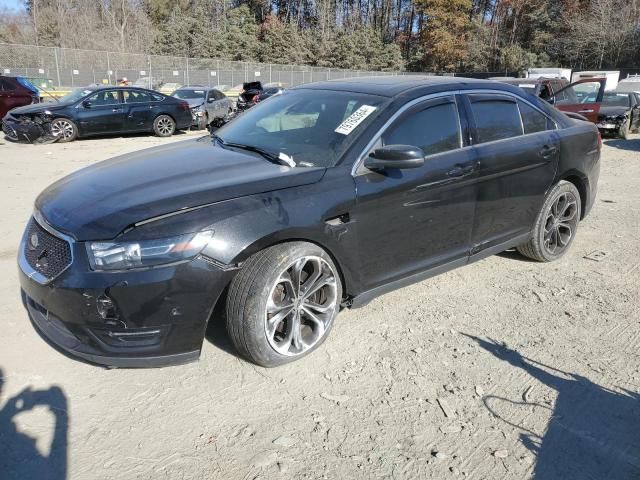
355, 119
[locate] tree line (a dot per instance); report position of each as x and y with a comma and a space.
387, 35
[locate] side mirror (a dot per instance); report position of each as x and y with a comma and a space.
395, 156
211, 100
87, 104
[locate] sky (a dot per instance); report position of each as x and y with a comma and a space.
13, 4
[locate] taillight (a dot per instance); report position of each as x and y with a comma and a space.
184, 106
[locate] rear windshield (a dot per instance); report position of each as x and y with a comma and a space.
188, 94
616, 99
314, 127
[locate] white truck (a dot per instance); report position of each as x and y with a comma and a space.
612, 77
534, 73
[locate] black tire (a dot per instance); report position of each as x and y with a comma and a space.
258, 286
164, 126
625, 130
540, 246
64, 129
203, 121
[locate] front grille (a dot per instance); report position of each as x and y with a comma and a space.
44, 252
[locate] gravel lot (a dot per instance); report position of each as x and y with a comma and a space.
506, 369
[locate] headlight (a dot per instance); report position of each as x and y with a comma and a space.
147, 253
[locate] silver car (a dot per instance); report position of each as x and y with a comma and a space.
206, 104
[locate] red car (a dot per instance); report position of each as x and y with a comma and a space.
15, 92
583, 97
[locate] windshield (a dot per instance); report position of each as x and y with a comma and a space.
188, 94
616, 99
314, 127
76, 94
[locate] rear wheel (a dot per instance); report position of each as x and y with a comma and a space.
282, 304
64, 129
556, 224
164, 126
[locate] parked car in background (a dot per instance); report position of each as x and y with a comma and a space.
542, 87
619, 113
206, 104
270, 92
99, 111
583, 97
321, 198
169, 88
16, 92
249, 96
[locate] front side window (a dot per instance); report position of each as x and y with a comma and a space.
533, 120
496, 119
314, 127
586, 92
435, 129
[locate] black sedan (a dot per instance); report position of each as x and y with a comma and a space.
324, 197
619, 113
99, 111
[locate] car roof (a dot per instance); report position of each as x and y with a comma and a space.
394, 85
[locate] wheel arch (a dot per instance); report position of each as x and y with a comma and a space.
581, 182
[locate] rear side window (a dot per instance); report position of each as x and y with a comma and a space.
496, 119
136, 96
435, 129
534, 121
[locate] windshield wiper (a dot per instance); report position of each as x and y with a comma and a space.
279, 158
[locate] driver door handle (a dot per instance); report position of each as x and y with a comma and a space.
547, 151
588, 110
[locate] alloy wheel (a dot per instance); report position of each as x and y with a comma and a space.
165, 126
560, 223
301, 305
62, 129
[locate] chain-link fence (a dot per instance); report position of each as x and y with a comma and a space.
64, 68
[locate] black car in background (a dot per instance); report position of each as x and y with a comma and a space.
321, 198
249, 96
99, 111
619, 113
270, 92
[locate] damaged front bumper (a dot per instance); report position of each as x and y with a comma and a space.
135, 318
36, 129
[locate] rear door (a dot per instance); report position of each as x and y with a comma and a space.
139, 110
518, 152
101, 113
583, 97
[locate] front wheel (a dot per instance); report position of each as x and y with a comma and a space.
556, 224
282, 304
64, 129
164, 126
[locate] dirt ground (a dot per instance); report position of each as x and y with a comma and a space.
506, 369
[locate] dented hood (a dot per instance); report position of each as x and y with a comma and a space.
100, 201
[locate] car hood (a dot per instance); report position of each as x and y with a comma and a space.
39, 108
101, 201
611, 111
194, 102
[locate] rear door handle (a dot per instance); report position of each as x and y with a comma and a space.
460, 171
116, 110
547, 151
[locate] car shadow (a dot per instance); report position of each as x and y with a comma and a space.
593, 432
512, 254
632, 145
20, 459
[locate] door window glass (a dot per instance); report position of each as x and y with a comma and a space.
104, 97
435, 129
496, 119
136, 96
533, 120
579, 93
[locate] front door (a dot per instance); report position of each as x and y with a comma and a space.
518, 151
101, 113
583, 97
412, 220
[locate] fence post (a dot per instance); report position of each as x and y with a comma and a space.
108, 68
187, 71
55, 53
